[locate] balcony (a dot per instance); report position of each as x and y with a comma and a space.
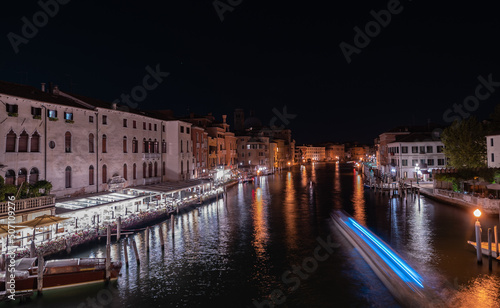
25, 205
151, 155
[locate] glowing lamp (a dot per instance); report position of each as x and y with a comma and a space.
477, 213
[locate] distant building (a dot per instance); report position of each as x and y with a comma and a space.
308, 153
335, 152
415, 153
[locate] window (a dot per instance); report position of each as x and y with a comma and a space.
414, 162
150, 169
68, 177
134, 171
187, 146
164, 147
422, 162
134, 124
104, 143
23, 142
52, 144
156, 169
68, 116
125, 172
53, 114
11, 109
430, 162
422, 149
492, 157
91, 143
144, 125
439, 149
91, 175
149, 126
163, 169
67, 142
124, 122
404, 149
441, 162
429, 149
91, 119
182, 129
156, 148
144, 170
35, 142
414, 149
104, 174
36, 112
145, 146
33, 176
182, 167
491, 141
187, 130
134, 145
404, 162
155, 127
125, 144
181, 146
104, 119
163, 128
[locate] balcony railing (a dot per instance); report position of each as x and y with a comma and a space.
151, 155
23, 205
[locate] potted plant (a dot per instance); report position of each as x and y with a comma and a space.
53, 119
37, 117
70, 121
13, 114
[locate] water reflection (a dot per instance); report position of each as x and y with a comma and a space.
358, 200
482, 291
260, 234
290, 212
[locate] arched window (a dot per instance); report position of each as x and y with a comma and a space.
125, 144
163, 169
35, 142
125, 172
134, 145
156, 169
10, 177
68, 177
181, 148
104, 138
91, 175
134, 172
144, 170
10, 145
104, 174
164, 147
150, 169
150, 146
182, 166
23, 142
187, 168
67, 142
187, 146
91, 144
33, 175
156, 147
145, 144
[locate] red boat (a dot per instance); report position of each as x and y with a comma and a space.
60, 273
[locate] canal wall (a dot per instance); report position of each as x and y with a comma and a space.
486, 205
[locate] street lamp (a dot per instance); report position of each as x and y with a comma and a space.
479, 248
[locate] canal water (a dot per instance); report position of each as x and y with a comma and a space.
273, 243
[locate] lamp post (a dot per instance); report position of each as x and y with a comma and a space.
479, 248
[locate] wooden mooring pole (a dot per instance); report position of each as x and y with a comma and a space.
479, 250
125, 251
40, 274
118, 227
162, 241
134, 245
147, 238
172, 224
490, 259
108, 253
496, 241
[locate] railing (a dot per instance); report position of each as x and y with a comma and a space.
27, 204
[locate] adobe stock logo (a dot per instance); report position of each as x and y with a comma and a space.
223, 7
40, 19
372, 29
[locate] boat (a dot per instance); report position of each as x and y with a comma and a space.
60, 273
247, 180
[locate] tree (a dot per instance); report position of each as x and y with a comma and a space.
465, 144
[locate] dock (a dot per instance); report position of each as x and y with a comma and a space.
485, 251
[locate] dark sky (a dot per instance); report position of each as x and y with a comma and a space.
266, 55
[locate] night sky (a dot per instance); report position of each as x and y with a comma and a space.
265, 55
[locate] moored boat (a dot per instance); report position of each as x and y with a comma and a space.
60, 273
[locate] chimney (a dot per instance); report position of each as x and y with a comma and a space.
56, 90
43, 86
113, 106
224, 118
